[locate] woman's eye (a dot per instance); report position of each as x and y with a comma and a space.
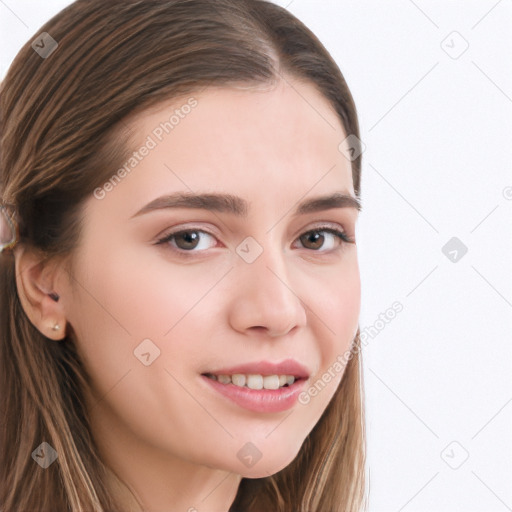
322, 239
186, 240
315, 239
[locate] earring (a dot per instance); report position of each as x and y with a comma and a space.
56, 327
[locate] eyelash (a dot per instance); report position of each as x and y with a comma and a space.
321, 229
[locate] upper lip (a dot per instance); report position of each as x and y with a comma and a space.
286, 367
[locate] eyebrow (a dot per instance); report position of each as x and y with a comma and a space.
227, 203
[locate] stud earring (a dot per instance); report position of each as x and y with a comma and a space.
56, 327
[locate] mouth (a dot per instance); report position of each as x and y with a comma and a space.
267, 392
255, 381
261, 374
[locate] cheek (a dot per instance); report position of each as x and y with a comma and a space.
142, 296
335, 302
336, 306
123, 302
120, 305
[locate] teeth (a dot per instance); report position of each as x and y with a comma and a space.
238, 379
271, 382
253, 381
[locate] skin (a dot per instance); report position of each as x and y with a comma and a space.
160, 429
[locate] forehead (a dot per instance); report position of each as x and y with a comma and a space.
273, 147
285, 130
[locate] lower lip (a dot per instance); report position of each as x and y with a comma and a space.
260, 400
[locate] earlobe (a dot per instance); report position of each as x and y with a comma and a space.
35, 280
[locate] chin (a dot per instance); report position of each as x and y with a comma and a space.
264, 469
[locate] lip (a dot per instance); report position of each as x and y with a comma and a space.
286, 367
259, 400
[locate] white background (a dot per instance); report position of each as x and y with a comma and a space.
437, 165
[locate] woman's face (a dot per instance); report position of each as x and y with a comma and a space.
244, 285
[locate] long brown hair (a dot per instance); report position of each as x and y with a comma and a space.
61, 116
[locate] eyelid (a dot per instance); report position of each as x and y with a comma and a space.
181, 252
319, 226
333, 228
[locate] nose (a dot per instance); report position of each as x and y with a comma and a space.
264, 299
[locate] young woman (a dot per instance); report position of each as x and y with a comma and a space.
180, 291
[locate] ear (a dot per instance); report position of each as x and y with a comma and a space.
36, 280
